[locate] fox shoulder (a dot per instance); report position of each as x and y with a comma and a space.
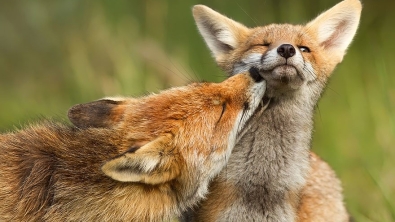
322, 189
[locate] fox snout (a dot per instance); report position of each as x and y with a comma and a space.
284, 68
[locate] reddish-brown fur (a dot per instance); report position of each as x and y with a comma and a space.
165, 147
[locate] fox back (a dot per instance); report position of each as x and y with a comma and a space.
126, 159
271, 175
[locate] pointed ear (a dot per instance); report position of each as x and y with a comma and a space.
220, 33
336, 27
100, 113
154, 163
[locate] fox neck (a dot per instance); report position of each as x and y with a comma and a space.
276, 147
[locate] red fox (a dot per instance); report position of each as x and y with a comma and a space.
271, 174
126, 159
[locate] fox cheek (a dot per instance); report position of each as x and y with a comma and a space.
248, 62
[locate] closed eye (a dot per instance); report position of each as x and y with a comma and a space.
223, 111
266, 44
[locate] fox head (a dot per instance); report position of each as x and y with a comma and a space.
290, 58
182, 132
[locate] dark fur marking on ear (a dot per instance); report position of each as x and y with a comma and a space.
93, 114
129, 168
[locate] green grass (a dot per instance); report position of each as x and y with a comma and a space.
54, 55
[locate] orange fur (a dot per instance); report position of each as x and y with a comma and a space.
322, 195
144, 159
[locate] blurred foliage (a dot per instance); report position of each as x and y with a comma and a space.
54, 54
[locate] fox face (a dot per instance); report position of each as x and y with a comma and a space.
279, 179
289, 57
126, 159
185, 129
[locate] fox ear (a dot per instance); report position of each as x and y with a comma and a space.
336, 27
153, 163
100, 113
220, 33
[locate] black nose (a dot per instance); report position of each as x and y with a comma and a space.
286, 50
254, 73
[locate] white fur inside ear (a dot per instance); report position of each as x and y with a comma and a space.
149, 163
219, 32
130, 168
226, 36
219, 38
336, 27
338, 33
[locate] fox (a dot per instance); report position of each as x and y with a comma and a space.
126, 159
272, 175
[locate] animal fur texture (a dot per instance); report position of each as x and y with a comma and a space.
272, 175
126, 159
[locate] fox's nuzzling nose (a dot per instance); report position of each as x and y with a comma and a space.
255, 75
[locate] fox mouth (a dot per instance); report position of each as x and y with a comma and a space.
282, 77
283, 73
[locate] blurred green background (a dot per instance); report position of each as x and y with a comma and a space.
54, 54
